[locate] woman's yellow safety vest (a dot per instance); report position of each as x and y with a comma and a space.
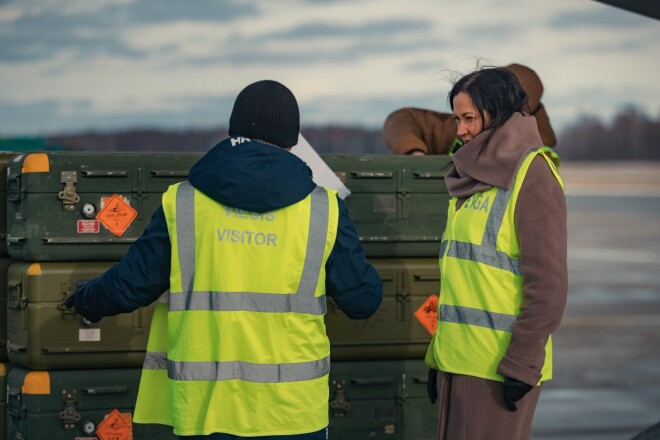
238, 344
552, 154
481, 283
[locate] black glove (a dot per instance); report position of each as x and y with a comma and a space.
432, 385
514, 390
73, 302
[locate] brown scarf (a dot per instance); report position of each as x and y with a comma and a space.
492, 158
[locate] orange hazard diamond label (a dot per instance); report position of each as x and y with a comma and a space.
116, 426
117, 215
427, 313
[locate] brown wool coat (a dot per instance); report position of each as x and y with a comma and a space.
478, 411
540, 221
409, 129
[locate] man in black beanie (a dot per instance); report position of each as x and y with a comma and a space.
246, 251
266, 111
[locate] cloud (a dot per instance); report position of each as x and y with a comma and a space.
603, 17
500, 31
347, 53
366, 111
149, 11
380, 28
181, 62
43, 32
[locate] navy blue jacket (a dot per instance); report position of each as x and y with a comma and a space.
247, 175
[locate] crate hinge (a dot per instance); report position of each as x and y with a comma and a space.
68, 195
69, 416
339, 404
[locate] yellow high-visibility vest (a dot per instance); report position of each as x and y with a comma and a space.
552, 154
481, 283
238, 344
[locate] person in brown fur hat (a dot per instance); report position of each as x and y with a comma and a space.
418, 131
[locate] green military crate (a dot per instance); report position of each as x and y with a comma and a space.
73, 404
393, 332
4, 267
56, 200
4, 370
397, 203
381, 400
43, 334
5, 157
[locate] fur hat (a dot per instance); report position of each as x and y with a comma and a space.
532, 84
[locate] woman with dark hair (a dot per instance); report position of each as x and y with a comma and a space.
502, 263
419, 131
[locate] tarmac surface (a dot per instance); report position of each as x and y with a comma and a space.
606, 383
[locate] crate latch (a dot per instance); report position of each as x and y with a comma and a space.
69, 416
16, 298
67, 288
15, 406
339, 404
69, 196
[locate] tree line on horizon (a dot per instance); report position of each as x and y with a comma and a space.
630, 135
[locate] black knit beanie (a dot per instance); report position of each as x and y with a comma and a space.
268, 111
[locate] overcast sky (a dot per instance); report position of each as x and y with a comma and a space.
68, 65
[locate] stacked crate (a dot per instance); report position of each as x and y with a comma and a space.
70, 217
378, 378
66, 376
5, 262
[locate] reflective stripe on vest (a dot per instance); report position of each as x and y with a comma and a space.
472, 316
302, 301
486, 252
251, 372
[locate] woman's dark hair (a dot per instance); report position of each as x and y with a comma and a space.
494, 90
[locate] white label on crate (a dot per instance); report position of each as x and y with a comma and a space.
89, 335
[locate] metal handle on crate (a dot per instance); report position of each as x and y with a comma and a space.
420, 379
75, 240
94, 349
169, 173
372, 174
105, 390
372, 381
105, 173
16, 347
428, 174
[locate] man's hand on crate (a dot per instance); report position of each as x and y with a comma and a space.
74, 302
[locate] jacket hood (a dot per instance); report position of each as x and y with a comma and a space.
252, 176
